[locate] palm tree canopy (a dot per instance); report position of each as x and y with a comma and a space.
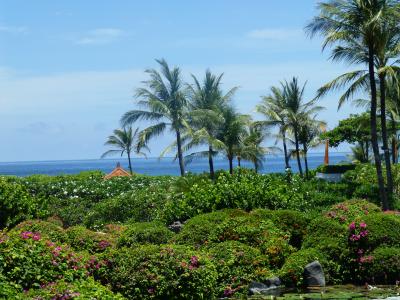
124, 141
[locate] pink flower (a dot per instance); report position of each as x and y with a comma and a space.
194, 262
364, 233
36, 236
26, 235
352, 226
363, 225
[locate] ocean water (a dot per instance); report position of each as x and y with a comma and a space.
152, 166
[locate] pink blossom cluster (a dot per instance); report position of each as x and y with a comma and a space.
30, 235
362, 231
365, 259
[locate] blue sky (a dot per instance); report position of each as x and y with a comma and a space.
68, 69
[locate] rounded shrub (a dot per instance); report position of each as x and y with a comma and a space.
81, 238
79, 290
145, 233
161, 272
16, 204
347, 211
383, 229
197, 230
294, 222
48, 230
382, 266
256, 232
237, 265
292, 271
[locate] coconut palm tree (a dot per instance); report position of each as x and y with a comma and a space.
344, 23
164, 102
125, 141
206, 102
272, 107
297, 110
231, 132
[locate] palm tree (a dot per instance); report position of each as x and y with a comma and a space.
310, 131
231, 132
393, 110
344, 23
296, 110
125, 141
273, 109
205, 114
251, 148
164, 102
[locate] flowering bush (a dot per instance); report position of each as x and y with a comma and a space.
145, 233
237, 265
81, 238
347, 211
384, 266
161, 272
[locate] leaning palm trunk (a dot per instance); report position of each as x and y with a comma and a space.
230, 158
305, 159
385, 143
394, 140
129, 162
180, 155
374, 135
211, 162
285, 151
296, 137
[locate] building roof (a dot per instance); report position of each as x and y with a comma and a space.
117, 172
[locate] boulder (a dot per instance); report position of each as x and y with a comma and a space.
314, 275
176, 226
267, 288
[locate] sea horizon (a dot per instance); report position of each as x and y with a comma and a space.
153, 165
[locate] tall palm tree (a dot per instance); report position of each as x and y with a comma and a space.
297, 110
206, 102
272, 107
393, 110
344, 23
164, 102
125, 141
231, 132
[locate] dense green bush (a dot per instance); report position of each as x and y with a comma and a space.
382, 230
78, 290
291, 221
382, 266
348, 211
46, 229
237, 265
16, 204
80, 238
293, 270
161, 272
336, 169
197, 231
145, 233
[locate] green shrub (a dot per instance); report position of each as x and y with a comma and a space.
291, 221
293, 270
197, 230
328, 237
382, 229
256, 232
237, 265
336, 169
79, 290
16, 204
382, 266
81, 238
348, 211
47, 230
161, 272
143, 233
29, 260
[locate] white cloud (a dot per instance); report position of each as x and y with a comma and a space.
276, 34
13, 29
100, 36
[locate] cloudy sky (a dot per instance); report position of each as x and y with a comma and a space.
69, 69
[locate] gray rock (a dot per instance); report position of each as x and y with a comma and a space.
258, 288
176, 226
314, 274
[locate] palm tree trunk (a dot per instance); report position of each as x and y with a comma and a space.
394, 140
367, 150
287, 166
374, 135
239, 161
296, 138
230, 158
180, 155
211, 162
305, 159
129, 162
389, 178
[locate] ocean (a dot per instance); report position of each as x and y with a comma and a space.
152, 166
